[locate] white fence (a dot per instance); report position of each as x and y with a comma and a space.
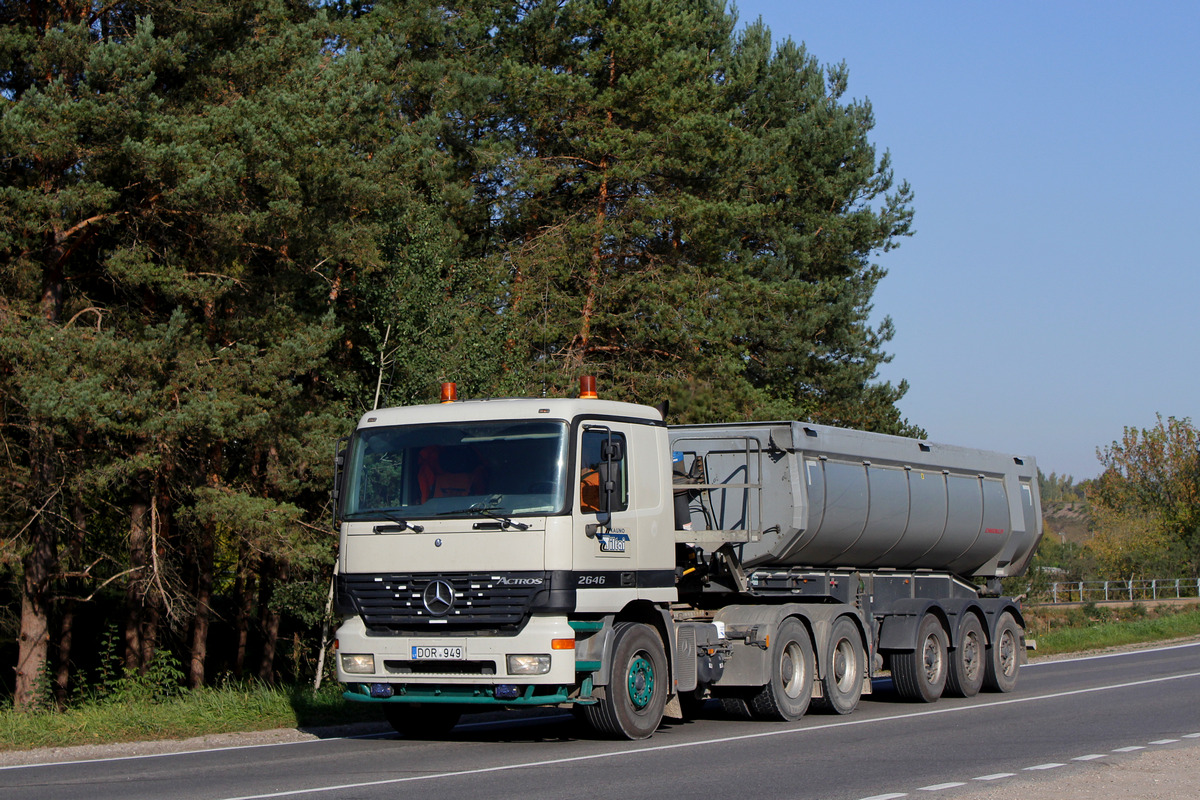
1116, 591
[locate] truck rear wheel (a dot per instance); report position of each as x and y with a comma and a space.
966, 662
633, 702
422, 722
921, 674
787, 696
1003, 656
845, 664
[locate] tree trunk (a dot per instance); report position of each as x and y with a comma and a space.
270, 618
135, 589
39, 565
203, 614
243, 593
205, 553
66, 623
40, 562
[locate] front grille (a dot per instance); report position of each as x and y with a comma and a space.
396, 604
440, 667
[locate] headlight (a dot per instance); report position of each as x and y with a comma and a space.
358, 664
528, 665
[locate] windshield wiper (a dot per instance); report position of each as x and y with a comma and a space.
404, 524
487, 510
505, 522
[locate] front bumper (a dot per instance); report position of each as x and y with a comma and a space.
474, 678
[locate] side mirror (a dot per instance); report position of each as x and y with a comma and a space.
611, 450
339, 466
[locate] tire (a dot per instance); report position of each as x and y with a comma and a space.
965, 677
921, 674
736, 705
787, 696
845, 664
1003, 660
633, 702
422, 721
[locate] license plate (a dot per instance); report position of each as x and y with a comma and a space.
423, 652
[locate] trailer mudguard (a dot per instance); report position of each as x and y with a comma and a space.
899, 623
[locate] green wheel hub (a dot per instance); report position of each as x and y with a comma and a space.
641, 681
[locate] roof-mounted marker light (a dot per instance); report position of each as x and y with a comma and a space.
587, 388
449, 392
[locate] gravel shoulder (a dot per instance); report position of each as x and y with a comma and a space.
1167, 773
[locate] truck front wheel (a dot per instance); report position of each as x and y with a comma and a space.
633, 702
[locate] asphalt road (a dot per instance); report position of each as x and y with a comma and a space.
1065, 715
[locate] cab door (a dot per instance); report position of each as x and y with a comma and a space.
606, 522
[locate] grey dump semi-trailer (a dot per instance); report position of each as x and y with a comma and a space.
579, 552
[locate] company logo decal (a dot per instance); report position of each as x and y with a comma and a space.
613, 542
439, 598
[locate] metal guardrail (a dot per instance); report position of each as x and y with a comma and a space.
1118, 591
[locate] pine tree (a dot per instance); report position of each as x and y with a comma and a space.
607, 222
817, 205
180, 198
692, 215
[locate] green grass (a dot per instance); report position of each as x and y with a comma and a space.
1093, 627
193, 713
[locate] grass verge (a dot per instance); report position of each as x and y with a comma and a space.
1061, 630
231, 709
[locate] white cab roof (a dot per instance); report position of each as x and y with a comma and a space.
507, 408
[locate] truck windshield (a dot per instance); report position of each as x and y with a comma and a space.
504, 468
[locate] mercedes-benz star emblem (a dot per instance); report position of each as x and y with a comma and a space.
439, 598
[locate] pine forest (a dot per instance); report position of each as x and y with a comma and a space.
228, 229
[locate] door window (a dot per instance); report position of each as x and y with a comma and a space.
593, 471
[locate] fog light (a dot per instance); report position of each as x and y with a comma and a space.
381, 690
360, 664
528, 665
507, 691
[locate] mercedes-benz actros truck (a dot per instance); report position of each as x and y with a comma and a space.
579, 552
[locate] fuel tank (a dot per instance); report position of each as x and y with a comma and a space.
819, 496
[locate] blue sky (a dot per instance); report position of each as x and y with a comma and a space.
1051, 293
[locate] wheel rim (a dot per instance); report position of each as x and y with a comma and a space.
791, 669
641, 681
1008, 653
844, 666
933, 660
970, 656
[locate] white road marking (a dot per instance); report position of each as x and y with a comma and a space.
1051, 765
994, 777
1091, 757
1129, 749
893, 796
1191, 736
937, 787
1164, 741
